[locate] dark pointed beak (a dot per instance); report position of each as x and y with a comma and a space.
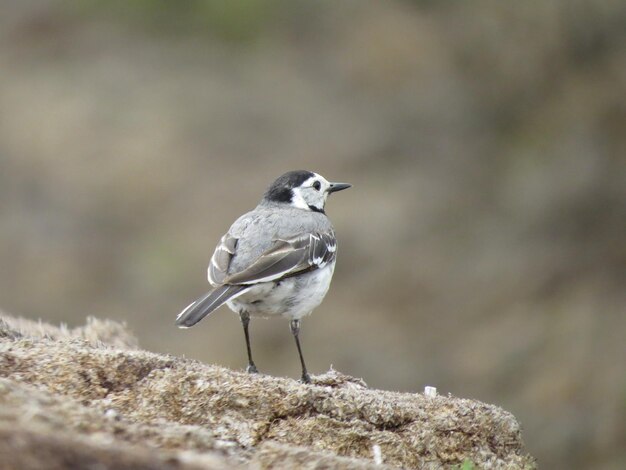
334, 187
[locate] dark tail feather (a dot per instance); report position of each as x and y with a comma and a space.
201, 307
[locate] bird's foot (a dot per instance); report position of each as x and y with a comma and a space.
251, 369
306, 378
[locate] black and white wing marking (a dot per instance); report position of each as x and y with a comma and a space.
220, 261
288, 257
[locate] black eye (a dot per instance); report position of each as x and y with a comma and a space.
317, 186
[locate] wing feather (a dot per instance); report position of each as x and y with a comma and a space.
287, 257
220, 261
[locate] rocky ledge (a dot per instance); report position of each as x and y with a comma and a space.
89, 397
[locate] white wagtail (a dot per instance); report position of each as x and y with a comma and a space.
277, 260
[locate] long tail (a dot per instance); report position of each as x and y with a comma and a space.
204, 305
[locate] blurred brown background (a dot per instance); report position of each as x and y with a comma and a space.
482, 248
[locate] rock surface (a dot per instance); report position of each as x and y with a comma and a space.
86, 396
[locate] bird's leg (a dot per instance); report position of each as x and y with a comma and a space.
245, 321
295, 330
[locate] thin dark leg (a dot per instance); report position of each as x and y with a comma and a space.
295, 330
245, 321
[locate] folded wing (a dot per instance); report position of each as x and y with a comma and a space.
287, 257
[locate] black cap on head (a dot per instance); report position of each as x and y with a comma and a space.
281, 189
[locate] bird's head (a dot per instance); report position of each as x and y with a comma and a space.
302, 189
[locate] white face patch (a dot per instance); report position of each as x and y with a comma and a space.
298, 199
308, 196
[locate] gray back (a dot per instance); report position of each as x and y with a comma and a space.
257, 230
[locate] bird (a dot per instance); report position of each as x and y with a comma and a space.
276, 260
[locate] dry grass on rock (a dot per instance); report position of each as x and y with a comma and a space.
88, 395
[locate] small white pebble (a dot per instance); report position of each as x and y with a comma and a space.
430, 391
111, 413
378, 455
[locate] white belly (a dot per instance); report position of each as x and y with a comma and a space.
292, 298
